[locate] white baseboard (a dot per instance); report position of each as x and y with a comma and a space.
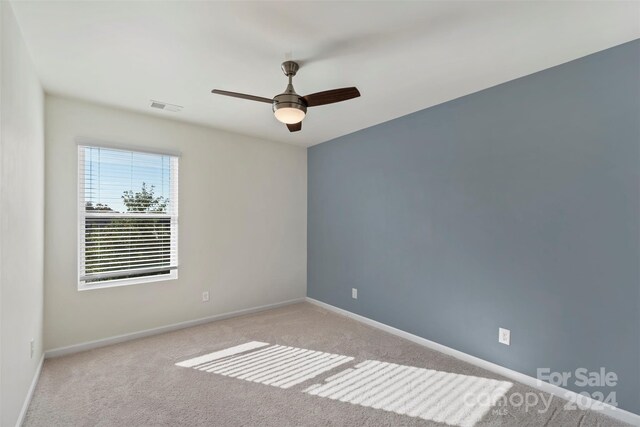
581, 401
32, 387
76, 348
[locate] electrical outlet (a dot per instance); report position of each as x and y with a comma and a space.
504, 336
354, 293
205, 296
31, 348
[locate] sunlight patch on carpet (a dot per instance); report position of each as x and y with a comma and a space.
274, 365
200, 360
454, 399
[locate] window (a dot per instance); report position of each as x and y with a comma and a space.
128, 217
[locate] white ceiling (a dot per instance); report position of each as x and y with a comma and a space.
403, 56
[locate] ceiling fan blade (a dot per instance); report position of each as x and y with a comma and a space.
331, 96
295, 127
243, 96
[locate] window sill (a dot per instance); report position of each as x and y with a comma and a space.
128, 282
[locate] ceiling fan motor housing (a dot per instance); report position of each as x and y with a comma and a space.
289, 100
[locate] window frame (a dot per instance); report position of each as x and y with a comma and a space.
83, 143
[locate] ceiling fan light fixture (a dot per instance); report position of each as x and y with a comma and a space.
288, 108
289, 115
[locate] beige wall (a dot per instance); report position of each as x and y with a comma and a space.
242, 226
22, 218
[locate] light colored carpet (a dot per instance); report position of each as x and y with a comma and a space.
292, 366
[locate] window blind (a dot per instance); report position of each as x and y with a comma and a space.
128, 216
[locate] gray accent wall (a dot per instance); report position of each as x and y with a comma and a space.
517, 207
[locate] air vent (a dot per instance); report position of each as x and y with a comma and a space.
165, 106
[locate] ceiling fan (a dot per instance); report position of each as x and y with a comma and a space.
291, 108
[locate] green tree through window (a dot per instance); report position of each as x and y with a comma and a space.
144, 200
